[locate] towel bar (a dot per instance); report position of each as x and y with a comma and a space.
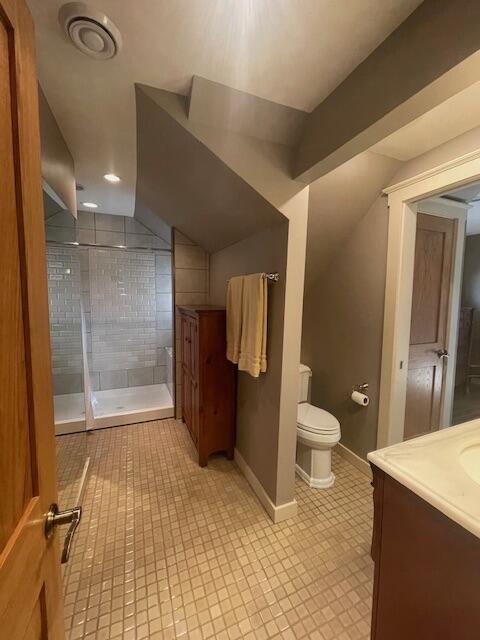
274, 277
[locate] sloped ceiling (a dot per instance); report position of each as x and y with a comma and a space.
188, 186
292, 52
338, 201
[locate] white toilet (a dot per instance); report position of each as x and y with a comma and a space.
317, 433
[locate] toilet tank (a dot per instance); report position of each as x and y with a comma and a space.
304, 383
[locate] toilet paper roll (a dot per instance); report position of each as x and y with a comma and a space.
360, 398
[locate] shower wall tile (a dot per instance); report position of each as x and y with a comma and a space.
163, 283
134, 226
191, 287
107, 222
139, 240
164, 321
140, 377
165, 338
85, 220
160, 374
114, 238
163, 264
191, 298
191, 280
62, 219
113, 380
64, 383
190, 257
86, 236
164, 302
64, 291
60, 234
94, 380
119, 292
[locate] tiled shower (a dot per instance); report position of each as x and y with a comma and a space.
111, 332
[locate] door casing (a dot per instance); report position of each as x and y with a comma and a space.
403, 203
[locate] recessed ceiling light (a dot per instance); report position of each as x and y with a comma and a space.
90, 205
111, 177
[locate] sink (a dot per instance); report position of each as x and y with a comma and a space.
470, 461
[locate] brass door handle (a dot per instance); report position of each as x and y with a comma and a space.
55, 518
442, 354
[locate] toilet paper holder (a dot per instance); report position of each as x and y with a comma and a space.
361, 388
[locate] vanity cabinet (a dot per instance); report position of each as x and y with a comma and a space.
427, 569
208, 381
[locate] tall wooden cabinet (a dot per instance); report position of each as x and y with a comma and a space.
208, 381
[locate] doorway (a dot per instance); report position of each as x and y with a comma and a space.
426, 393
428, 354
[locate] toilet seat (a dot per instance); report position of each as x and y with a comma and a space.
316, 421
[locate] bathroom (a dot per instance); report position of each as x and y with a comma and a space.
205, 499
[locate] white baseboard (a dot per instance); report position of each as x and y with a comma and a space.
361, 464
277, 513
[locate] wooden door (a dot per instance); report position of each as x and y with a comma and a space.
428, 331
30, 582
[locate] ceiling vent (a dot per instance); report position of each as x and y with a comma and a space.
90, 30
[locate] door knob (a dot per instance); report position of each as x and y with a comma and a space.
55, 518
442, 353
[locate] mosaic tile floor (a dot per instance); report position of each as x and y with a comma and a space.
169, 550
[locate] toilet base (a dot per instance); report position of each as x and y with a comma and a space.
314, 466
315, 483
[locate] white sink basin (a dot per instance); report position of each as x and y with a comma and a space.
470, 461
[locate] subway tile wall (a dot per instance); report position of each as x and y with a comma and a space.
122, 297
127, 303
191, 287
131, 317
64, 289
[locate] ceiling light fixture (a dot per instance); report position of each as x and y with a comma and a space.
90, 205
111, 177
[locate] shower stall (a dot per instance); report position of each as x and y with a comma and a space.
111, 330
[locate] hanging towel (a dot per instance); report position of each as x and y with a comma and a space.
253, 343
234, 317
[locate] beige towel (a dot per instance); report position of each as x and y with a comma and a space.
234, 317
253, 344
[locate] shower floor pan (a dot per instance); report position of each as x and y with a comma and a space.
113, 408
116, 407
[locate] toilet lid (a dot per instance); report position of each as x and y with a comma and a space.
315, 419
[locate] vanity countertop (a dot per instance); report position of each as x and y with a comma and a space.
443, 468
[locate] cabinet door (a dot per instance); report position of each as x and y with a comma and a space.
194, 349
187, 401
186, 341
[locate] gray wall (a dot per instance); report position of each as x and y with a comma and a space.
471, 273
343, 326
258, 400
422, 49
58, 169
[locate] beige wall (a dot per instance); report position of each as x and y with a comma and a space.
191, 286
265, 198
342, 328
258, 400
345, 284
471, 273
